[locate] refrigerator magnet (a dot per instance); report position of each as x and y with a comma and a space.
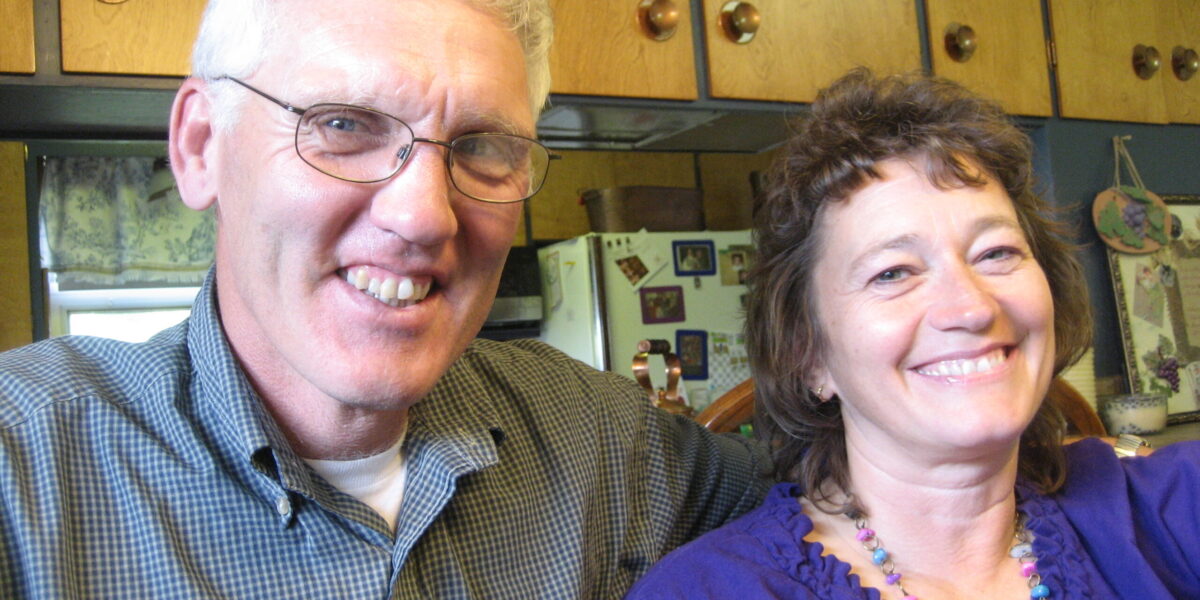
662, 304
735, 263
693, 353
694, 257
633, 269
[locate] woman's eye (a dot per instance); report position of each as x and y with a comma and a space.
890, 275
1000, 254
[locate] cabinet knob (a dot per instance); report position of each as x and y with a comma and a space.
960, 42
740, 21
1185, 62
659, 18
1146, 61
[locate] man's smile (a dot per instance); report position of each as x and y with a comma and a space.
389, 288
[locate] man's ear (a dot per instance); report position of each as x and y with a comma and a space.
192, 145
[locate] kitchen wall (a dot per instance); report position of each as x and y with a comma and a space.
1075, 160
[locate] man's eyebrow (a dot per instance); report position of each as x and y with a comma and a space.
489, 122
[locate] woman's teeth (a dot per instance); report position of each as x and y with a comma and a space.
393, 291
982, 364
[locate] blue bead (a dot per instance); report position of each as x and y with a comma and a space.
878, 556
1039, 591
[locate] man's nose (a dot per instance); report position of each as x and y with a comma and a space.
415, 204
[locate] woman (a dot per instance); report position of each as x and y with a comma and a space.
910, 305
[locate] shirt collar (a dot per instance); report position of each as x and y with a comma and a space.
459, 416
461, 411
250, 433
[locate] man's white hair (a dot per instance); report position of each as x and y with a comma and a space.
236, 34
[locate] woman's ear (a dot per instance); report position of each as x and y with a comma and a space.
192, 145
820, 384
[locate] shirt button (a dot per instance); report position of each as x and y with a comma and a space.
282, 506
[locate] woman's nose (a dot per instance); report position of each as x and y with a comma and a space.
963, 300
415, 204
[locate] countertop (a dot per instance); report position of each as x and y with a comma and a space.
1174, 433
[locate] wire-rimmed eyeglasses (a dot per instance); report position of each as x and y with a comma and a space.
363, 145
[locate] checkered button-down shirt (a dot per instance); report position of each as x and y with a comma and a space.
152, 471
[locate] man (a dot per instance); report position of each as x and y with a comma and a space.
323, 426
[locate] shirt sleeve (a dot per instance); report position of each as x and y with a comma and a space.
705, 478
1138, 517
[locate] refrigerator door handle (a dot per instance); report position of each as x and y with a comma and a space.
599, 297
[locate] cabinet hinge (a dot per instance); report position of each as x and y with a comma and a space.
1052, 53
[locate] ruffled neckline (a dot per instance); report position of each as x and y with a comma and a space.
1059, 551
827, 576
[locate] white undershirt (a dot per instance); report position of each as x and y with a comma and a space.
377, 481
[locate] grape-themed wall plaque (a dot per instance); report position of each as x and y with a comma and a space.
1158, 305
1131, 219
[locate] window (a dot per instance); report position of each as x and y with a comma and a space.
123, 257
129, 314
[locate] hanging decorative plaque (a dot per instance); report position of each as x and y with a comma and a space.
1130, 218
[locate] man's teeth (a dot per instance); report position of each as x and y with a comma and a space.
391, 290
964, 367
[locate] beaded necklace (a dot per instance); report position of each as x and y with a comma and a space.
1022, 550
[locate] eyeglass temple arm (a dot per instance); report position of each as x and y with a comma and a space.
284, 105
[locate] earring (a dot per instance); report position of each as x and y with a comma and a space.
817, 392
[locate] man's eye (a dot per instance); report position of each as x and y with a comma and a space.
481, 148
342, 124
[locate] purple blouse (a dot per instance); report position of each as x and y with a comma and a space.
1126, 528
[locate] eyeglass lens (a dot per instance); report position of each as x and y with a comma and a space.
359, 144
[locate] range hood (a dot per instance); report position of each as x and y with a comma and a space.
571, 122
602, 124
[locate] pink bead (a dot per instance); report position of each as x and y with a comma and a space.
864, 534
910, 597
1028, 569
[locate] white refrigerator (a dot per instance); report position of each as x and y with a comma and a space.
604, 292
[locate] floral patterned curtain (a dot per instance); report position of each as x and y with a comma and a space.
118, 222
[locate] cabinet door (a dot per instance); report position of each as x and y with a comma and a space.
16, 316
1179, 25
139, 37
556, 212
1095, 46
604, 48
16, 45
801, 47
1007, 57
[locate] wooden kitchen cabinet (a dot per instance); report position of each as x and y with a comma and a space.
1179, 28
1095, 44
556, 213
997, 49
16, 45
134, 37
605, 48
728, 193
801, 47
16, 315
